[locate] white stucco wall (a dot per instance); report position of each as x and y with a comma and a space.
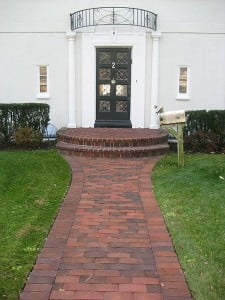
33, 33
205, 55
53, 16
20, 54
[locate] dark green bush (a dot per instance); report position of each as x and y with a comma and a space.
212, 121
2, 138
21, 115
27, 137
201, 141
195, 120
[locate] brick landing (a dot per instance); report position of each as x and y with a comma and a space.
112, 142
109, 240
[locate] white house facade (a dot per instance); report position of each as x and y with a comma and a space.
114, 63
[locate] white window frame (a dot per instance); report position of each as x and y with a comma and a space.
183, 96
44, 95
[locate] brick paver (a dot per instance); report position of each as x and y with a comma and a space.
109, 240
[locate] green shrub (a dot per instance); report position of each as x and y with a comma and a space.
21, 115
211, 122
195, 120
200, 141
216, 123
2, 138
27, 137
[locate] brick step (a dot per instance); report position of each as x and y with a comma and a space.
112, 137
112, 152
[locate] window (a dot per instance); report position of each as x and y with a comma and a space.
43, 82
183, 83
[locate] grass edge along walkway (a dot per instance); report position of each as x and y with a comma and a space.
193, 203
32, 186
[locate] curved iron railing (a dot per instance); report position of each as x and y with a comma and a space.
113, 16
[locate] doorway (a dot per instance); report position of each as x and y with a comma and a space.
113, 87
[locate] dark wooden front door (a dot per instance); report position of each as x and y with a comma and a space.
113, 79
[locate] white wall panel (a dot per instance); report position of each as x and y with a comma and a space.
205, 55
193, 34
19, 56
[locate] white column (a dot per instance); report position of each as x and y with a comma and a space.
71, 79
154, 124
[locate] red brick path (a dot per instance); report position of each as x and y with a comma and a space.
109, 240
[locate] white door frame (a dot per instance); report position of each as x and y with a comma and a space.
137, 41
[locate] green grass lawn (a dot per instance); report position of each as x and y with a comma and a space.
192, 200
32, 185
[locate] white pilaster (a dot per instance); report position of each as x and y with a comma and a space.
71, 79
154, 124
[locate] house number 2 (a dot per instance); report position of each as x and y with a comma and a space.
113, 65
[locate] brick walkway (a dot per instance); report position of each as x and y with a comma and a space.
109, 240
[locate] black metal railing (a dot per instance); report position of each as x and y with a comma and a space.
113, 16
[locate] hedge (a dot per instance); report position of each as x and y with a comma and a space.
20, 115
212, 121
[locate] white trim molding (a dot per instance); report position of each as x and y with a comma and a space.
137, 43
154, 123
71, 79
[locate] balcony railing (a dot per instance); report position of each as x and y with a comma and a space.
113, 16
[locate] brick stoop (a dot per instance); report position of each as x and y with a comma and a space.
112, 142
